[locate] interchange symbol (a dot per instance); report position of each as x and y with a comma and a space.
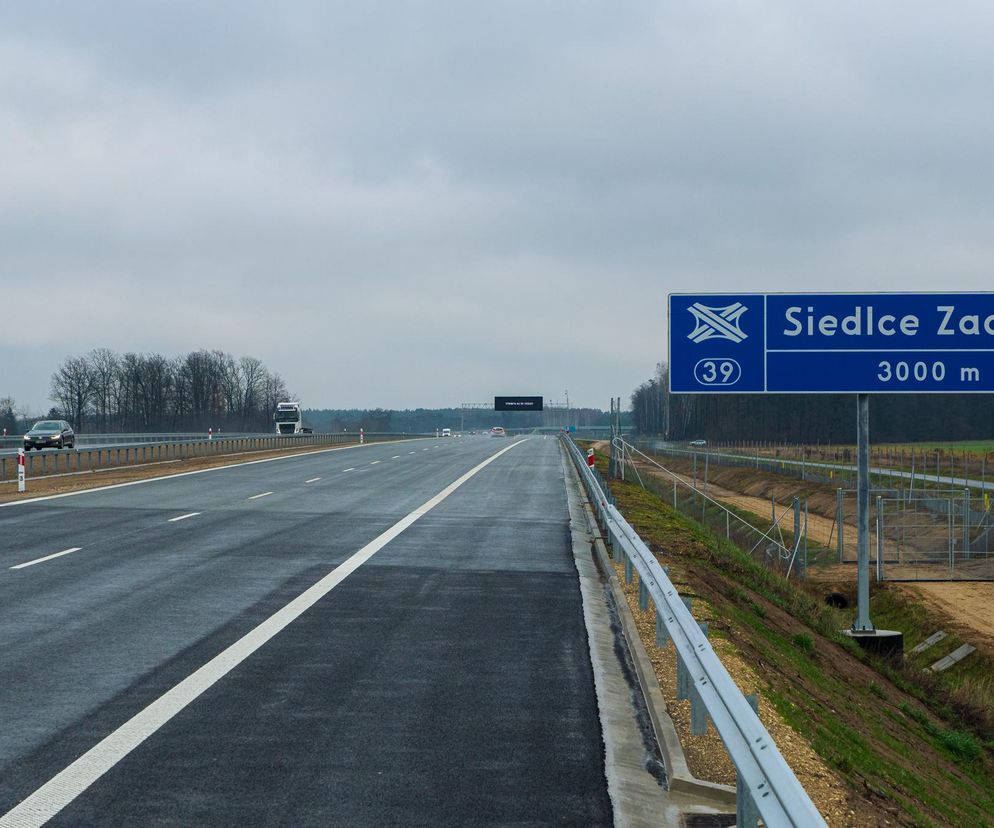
717, 323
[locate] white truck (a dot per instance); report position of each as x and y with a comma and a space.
289, 419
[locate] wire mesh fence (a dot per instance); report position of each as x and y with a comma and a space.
781, 543
917, 532
935, 536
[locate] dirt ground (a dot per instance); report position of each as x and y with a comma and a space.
969, 603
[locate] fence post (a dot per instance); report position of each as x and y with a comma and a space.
966, 523
840, 515
951, 536
880, 538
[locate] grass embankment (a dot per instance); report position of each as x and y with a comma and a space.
907, 747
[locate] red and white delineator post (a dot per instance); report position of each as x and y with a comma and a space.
210, 433
362, 436
20, 470
590, 458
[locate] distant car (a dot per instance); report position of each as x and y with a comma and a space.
698, 442
50, 434
497, 431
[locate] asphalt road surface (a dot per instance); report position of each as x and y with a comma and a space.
384, 635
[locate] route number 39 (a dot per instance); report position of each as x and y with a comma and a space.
717, 372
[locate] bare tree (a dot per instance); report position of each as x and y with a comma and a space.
105, 367
72, 389
253, 376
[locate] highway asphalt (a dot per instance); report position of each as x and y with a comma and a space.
165, 672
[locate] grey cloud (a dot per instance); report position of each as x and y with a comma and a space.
449, 198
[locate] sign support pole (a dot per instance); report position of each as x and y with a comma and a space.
863, 623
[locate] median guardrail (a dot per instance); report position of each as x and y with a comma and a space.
765, 785
82, 460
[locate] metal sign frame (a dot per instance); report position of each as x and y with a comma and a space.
831, 343
518, 403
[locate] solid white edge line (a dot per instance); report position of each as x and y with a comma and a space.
183, 517
189, 473
69, 783
313, 480
256, 497
47, 558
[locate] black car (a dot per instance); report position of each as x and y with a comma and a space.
50, 434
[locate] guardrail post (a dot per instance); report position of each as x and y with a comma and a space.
682, 678
643, 595
662, 637
628, 568
698, 713
746, 815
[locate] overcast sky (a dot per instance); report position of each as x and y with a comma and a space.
422, 204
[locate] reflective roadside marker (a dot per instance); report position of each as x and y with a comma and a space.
362, 436
20, 470
590, 457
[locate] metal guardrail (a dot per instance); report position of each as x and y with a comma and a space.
83, 460
765, 785
17, 440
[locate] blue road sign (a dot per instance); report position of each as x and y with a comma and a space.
862, 343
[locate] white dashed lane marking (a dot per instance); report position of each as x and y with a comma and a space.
183, 517
313, 480
47, 558
351, 469
374, 462
256, 497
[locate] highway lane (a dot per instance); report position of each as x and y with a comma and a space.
444, 681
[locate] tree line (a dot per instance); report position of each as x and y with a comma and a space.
427, 420
807, 418
106, 392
